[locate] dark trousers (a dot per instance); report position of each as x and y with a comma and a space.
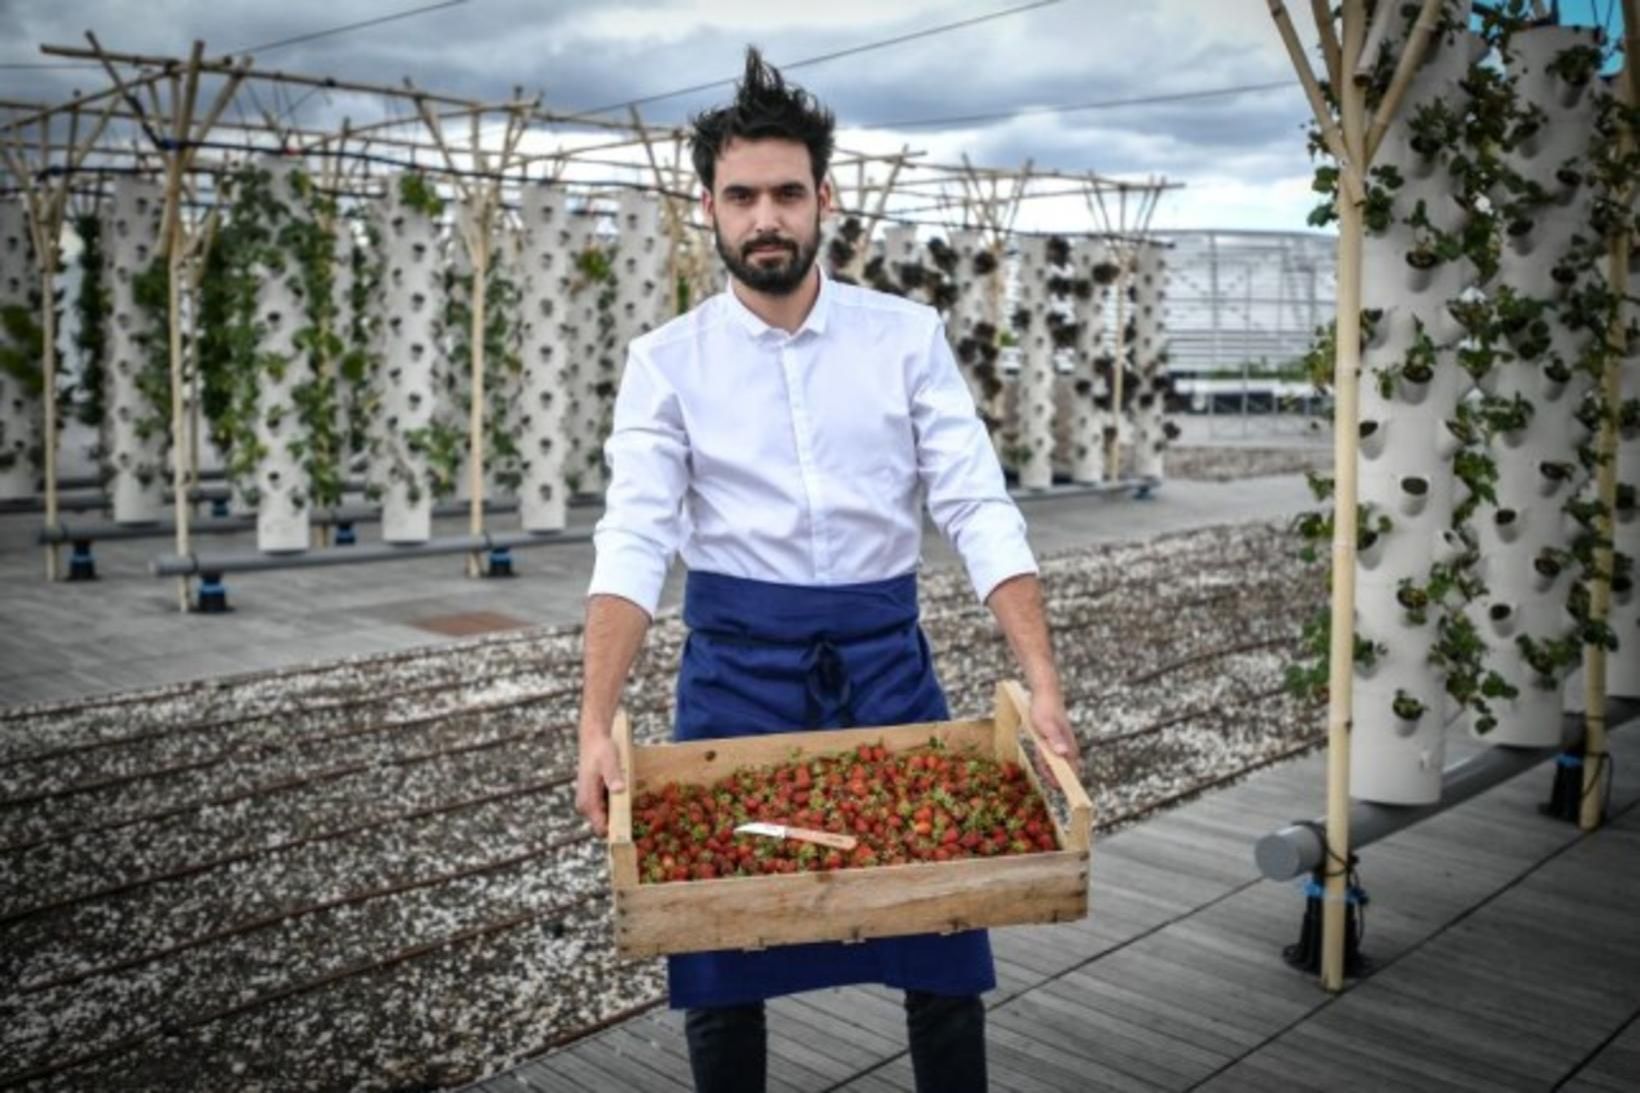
729, 1045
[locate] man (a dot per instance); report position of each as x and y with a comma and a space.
783, 436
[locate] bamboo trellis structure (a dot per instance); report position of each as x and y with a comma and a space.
190, 121
1352, 139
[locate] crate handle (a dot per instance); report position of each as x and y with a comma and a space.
623, 855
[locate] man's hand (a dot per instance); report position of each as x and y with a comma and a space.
598, 775
1050, 720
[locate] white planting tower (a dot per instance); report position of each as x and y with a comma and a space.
1410, 387
1525, 538
1034, 402
283, 498
546, 270
138, 429
413, 366
19, 406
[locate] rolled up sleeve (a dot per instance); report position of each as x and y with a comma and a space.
648, 457
967, 496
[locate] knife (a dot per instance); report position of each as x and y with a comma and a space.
804, 834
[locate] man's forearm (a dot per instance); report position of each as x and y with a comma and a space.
615, 629
1017, 605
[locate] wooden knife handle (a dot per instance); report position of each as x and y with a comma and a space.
824, 838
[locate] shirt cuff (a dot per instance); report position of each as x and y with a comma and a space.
628, 566
994, 556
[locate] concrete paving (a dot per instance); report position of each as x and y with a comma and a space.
124, 631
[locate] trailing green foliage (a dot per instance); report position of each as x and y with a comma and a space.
91, 305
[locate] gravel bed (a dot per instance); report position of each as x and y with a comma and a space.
313, 935
1221, 464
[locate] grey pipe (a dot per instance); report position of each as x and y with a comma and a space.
1079, 489
1300, 848
193, 564
224, 525
91, 502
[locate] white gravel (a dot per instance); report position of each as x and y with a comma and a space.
372, 774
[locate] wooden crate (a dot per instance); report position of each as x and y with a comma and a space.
857, 903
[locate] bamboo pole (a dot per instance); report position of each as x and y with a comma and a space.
1412, 55
1330, 49
1595, 754
1335, 140
1113, 434
225, 64
1346, 387
48, 367
174, 240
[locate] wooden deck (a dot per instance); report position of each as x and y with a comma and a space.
1505, 950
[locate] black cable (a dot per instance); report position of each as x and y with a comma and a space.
268, 46
376, 22
863, 48
1108, 104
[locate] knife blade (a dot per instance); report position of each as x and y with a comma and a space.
803, 834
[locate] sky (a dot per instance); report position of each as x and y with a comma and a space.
1241, 157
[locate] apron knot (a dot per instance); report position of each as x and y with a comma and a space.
827, 683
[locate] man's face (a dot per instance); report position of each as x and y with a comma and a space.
765, 213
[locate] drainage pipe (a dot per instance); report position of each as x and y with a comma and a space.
1300, 848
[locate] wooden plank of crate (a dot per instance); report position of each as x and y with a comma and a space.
623, 855
1054, 778
884, 901
702, 762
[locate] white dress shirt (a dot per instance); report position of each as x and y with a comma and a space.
799, 459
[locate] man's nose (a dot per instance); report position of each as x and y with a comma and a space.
765, 215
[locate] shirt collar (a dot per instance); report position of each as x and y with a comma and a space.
815, 320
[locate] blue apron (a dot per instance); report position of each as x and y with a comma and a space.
764, 657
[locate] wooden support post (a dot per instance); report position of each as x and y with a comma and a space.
1596, 758
48, 368
1346, 387
1113, 437
1412, 55
173, 239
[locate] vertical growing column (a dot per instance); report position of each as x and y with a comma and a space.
592, 371
1538, 380
359, 321
971, 324
1623, 667
282, 492
413, 371
642, 301
21, 379
1089, 411
1064, 334
504, 359
1150, 435
1033, 446
546, 265
139, 373
1411, 385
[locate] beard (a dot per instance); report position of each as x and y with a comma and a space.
775, 279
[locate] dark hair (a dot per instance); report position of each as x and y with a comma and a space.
763, 108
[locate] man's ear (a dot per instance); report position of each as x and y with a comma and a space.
707, 206
824, 193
